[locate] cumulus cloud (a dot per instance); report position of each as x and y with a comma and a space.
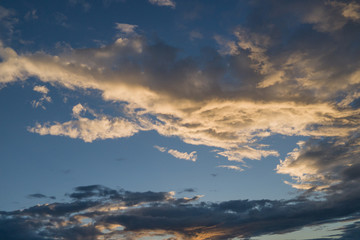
177, 154
167, 3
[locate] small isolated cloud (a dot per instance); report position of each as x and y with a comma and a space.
195, 35
161, 149
126, 28
84, 4
61, 19
41, 89
31, 15
167, 3
181, 155
188, 190
237, 168
45, 98
39, 195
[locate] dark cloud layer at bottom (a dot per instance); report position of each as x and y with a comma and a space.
96, 212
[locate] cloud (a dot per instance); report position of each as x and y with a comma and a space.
229, 102
167, 3
31, 15
131, 215
126, 28
101, 127
227, 47
237, 168
61, 19
193, 107
45, 98
333, 15
7, 21
39, 195
85, 5
326, 164
193, 35
161, 149
41, 89
181, 155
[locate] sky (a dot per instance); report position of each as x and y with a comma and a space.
170, 119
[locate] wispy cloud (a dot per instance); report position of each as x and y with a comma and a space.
183, 155
161, 149
126, 28
167, 3
45, 98
31, 15
40, 196
177, 154
233, 167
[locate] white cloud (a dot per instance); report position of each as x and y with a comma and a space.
237, 168
101, 127
77, 110
167, 3
181, 155
41, 89
126, 28
193, 106
161, 149
45, 98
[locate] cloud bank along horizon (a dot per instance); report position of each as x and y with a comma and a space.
224, 89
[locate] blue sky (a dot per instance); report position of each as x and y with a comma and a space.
165, 119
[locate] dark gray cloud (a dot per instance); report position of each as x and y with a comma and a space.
39, 195
189, 190
127, 214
